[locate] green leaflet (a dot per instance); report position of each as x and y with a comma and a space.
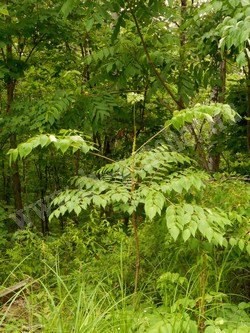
202, 112
157, 180
68, 6
154, 203
60, 142
187, 219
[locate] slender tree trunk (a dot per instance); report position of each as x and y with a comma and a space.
181, 104
134, 222
6, 184
16, 181
77, 162
218, 96
248, 115
248, 99
43, 181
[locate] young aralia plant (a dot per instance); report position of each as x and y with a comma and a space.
163, 182
151, 185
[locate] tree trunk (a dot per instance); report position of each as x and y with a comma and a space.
218, 96
248, 98
181, 103
16, 182
182, 55
248, 115
6, 184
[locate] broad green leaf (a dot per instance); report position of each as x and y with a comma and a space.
52, 138
174, 232
35, 142
151, 212
103, 201
177, 186
234, 3
14, 154
170, 211
44, 140
77, 210
232, 241
76, 138
211, 329
89, 24
178, 122
197, 183
243, 305
186, 184
96, 200
68, 7
248, 248
188, 208
109, 67
84, 148
56, 213
159, 200
70, 205
203, 226
171, 220
62, 209
218, 238
186, 234
193, 227
187, 218
84, 205
181, 221
225, 242
241, 244
63, 145
24, 149
119, 23
209, 234
217, 5
116, 197
241, 59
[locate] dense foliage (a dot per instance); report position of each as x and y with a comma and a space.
125, 144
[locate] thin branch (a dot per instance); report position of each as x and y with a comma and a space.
111, 160
34, 47
236, 178
152, 137
161, 100
199, 148
158, 75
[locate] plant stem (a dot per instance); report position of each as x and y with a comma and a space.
152, 137
137, 263
203, 282
137, 248
179, 104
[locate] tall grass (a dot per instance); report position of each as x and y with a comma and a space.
85, 303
